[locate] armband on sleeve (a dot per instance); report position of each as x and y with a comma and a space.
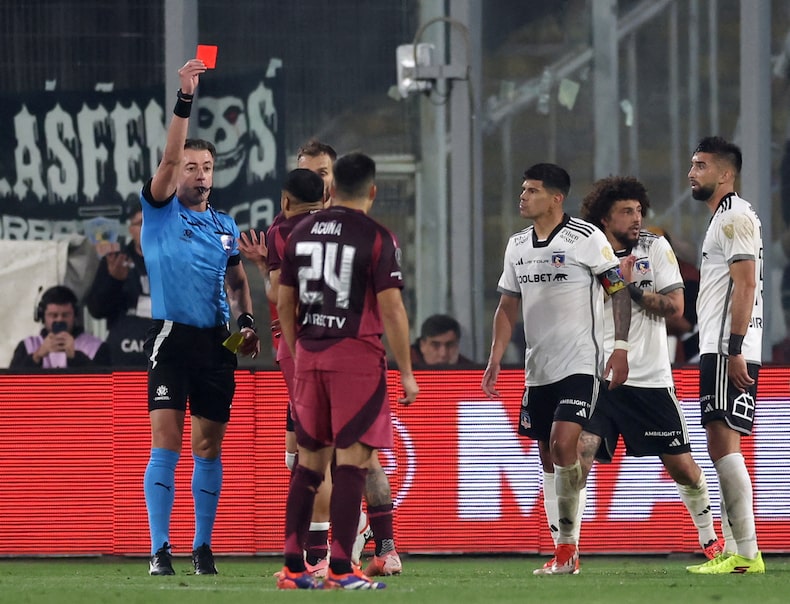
612, 280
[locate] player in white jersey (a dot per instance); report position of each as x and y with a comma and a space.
730, 311
555, 272
644, 410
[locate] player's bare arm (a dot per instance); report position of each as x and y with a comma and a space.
615, 286
505, 318
744, 289
669, 305
396, 328
164, 182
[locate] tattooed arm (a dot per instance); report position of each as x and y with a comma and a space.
664, 305
669, 305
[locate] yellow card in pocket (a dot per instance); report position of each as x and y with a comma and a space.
233, 342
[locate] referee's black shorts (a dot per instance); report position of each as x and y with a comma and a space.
190, 363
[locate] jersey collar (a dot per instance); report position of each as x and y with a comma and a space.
725, 199
535, 243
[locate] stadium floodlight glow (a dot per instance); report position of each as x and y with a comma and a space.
408, 73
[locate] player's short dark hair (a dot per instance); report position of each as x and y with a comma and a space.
199, 144
304, 185
729, 152
314, 148
438, 324
354, 173
606, 191
552, 176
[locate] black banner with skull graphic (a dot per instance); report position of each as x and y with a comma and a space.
68, 157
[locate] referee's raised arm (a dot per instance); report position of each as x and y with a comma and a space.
165, 179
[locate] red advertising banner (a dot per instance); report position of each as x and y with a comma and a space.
462, 479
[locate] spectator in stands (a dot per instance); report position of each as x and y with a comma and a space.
120, 294
62, 343
439, 344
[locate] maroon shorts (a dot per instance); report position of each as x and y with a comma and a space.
340, 397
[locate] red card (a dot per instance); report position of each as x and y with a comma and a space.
207, 54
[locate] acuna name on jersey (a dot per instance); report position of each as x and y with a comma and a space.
326, 228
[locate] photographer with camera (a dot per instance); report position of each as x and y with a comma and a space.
62, 343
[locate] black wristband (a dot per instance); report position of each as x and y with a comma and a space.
635, 292
183, 104
246, 320
734, 347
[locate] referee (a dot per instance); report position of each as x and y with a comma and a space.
192, 256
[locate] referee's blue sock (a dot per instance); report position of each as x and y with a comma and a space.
159, 487
206, 486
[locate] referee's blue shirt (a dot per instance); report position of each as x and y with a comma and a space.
187, 254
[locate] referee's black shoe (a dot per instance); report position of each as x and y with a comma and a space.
203, 560
161, 562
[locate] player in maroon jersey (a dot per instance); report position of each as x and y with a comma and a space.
339, 292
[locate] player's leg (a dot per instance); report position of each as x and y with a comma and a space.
727, 415
349, 477
724, 446
159, 485
654, 424
310, 410
597, 442
355, 442
693, 489
317, 546
576, 396
552, 512
210, 397
550, 504
167, 427
207, 438
568, 480
538, 405
290, 441
741, 554
364, 534
349, 484
736, 486
305, 481
378, 496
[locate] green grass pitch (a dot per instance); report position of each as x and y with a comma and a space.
426, 579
